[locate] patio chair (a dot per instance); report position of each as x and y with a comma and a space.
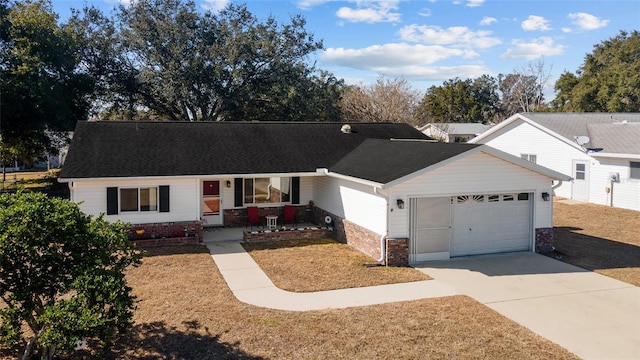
253, 216
289, 215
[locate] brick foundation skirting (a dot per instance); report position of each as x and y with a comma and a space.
544, 240
291, 234
166, 234
360, 238
397, 252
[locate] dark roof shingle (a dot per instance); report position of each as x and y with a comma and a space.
136, 149
383, 161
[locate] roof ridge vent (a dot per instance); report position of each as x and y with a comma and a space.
346, 129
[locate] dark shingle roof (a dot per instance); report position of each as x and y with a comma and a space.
383, 161
131, 149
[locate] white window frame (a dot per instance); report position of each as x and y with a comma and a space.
634, 170
252, 197
138, 189
530, 157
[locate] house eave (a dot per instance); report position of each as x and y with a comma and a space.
336, 175
613, 155
554, 175
183, 177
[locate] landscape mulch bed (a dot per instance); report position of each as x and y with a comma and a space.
600, 238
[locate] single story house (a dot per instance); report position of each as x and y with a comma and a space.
390, 191
453, 132
600, 151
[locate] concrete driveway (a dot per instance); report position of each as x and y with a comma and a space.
591, 315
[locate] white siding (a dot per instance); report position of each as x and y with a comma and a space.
626, 193
183, 198
306, 189
354, 202
479, 173
553, 153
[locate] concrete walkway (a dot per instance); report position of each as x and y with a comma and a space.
249, 284
591, 315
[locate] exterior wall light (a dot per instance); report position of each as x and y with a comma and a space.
228, 183
400, 203
545, 196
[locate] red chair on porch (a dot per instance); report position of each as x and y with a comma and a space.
253, 216
289, 215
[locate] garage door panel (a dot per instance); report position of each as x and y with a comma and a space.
429, 228
500, 225
430, 241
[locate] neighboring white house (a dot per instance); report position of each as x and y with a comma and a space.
378, 182
453, 132
600, 151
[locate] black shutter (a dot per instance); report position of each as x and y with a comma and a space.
295, 190
164, 198
112, 200
237, 192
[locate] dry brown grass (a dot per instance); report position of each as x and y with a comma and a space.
325, 264
186, 311
599, 238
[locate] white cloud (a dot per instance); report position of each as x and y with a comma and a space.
543, 46
587, 21
119, 2
457, 36
434, 73
371, 12
425, 12
214, 5
308, 4
474, 3
535, 22
389, 55
487, 20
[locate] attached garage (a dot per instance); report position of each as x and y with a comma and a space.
448, 200
464, 225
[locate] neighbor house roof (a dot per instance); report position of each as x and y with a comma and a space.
613, 132
137, 149
462, 128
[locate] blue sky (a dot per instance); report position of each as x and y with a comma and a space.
428, 42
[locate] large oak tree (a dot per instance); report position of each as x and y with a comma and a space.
43, 91
608, 81
166, 60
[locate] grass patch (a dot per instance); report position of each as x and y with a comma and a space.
186, 311
599, 238
325, 264
42, 181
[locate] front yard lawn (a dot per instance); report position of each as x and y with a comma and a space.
325, 264
600, 238
186, 311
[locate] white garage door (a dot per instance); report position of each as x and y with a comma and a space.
491, 223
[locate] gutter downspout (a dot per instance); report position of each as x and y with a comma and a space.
383, 248
556, 185
383, 245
